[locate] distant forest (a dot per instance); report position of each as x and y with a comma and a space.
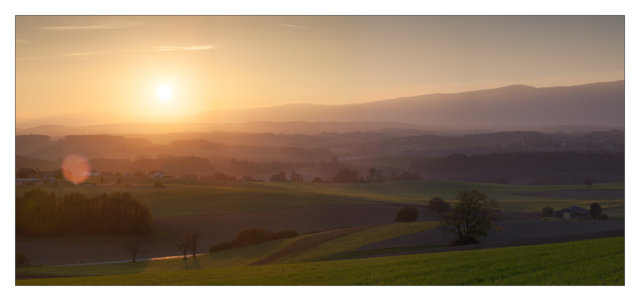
559, 167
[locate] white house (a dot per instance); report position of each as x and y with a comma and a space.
156, 174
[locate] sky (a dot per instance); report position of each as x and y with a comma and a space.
117, 64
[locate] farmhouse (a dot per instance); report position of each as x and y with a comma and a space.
572, 212
29, 173
156, 174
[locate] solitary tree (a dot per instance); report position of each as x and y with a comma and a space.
438, 205
192, 238
132, 248
546, 212
118, 181
595, 210
471, 217
158, 185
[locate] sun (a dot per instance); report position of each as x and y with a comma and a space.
165, 93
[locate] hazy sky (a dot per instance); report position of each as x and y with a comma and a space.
117, 64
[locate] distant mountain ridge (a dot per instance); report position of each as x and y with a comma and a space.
517, 105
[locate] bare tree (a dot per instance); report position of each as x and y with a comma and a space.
192, 238
183, 246
158, 185
132, 247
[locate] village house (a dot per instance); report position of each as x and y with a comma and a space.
156, 174
572, 213
29, 173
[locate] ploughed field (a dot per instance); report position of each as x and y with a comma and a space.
219, 210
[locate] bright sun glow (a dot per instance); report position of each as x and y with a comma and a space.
165, 93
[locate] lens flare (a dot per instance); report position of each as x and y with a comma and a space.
75, 168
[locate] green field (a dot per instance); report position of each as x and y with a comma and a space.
207, 197
590, 262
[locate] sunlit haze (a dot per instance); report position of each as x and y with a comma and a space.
117, 64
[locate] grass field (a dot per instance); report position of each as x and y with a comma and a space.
322, 244
589, 262
207, 197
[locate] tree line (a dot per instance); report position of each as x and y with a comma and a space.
42, 213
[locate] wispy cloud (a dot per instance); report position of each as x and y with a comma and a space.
301, 27
159, 48
18, 41
174, 48
112, 25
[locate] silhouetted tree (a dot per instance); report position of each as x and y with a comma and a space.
471, 217
438, 205
346, 175
317, 180
296, 177
546, 212
595, 210
157, 186
118, 181
132, 248
279, 177
183, 246
407, 215
192, 238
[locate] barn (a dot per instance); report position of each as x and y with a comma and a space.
572, 212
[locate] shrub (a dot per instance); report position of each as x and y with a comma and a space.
546, 212
282, 234
407, 215
602, 217
21, 259
596, 210
438, 205
220, 247
252, 236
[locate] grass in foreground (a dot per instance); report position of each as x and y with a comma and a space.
589, 262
